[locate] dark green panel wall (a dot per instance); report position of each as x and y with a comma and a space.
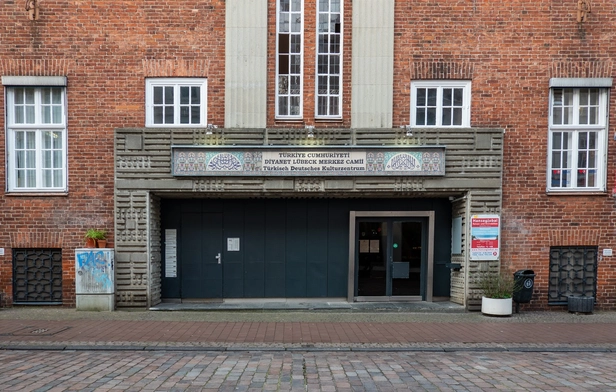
295, 248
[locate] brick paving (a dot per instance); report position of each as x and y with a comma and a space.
67, 350
252, 333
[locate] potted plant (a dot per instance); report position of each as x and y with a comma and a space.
96, 238
497, 294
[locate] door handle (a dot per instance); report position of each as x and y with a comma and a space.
219, 258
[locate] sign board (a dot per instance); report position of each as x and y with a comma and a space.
298, 161
485, 237
171, 254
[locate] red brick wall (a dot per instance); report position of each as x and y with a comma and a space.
509, 49
106, 49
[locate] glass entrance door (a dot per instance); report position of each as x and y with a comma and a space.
391, 257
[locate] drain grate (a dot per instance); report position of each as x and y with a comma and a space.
40, 331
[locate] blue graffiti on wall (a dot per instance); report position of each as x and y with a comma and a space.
95, 271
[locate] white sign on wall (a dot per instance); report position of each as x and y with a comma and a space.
171, 253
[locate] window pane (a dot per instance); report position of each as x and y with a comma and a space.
57, 114
283, 107
47, 163
593, 139
431, 116
56, 96
19, 115
195, 95
421, 97
457, 116
334, 107
420, 116
584, 97
583, 115
18, 96
57, 159
593, 115
446, 116
169, 115
294, 109
195, 115
46, 96
31, 140
47, 178
169, 95
57, 179
458, 97
184, 115
334, 44
447, 97
30, 115
283, 85
284, 5
334, 85
322, 106
30, 159
556, 140
46, 110
296, 22
323, 5
583, 140
295, 86
296, 5
283, 24
323, 23
158, 115
47, 140
158, 95
296, 43
556, 159
334, 64
184, 95
29, 96
431, 97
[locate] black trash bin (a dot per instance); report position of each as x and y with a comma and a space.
524, 280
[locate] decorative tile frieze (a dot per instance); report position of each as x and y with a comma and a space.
309, 185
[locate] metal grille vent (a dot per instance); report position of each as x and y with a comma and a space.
37, 276
573, 272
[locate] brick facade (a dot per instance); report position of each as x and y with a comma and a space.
509, 49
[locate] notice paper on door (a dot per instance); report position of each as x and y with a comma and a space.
375, 246
233, 244
364, 246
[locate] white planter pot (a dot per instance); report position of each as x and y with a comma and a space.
497, 306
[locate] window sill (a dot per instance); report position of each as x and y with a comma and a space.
577, 193
37, 194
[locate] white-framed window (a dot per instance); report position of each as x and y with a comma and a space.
329, 58
577, 139
438, 103
173, 102
36, 139
289, 59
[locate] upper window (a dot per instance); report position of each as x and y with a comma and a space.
437, 103
329, 52
578, 123
36, 139
176, 102
289, 59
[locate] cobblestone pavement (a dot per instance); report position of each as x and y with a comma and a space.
59, 349
305, 371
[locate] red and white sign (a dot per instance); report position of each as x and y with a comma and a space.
485, 237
